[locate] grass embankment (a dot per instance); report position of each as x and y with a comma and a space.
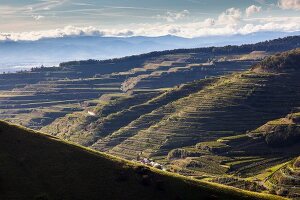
38, 166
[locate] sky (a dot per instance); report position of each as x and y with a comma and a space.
35, 19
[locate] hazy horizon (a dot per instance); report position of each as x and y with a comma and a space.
48, 52
35, 19
115, 24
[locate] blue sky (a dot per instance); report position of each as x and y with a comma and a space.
33, 19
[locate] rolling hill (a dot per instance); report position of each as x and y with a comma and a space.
38, 166
37, 97
199, 111
226, 115
211, 128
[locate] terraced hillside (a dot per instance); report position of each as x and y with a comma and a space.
228, 106
284, 133
42, 99
229, 130
246, 155
36, 98
38, 166
248, 161
220, 129
286, 180
90, 129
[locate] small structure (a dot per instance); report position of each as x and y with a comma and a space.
149, 162
91, 113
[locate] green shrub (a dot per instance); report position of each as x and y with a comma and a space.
177, 154
281, 136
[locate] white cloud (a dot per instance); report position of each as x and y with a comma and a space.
31, 10
227, 23
252, 10
173, 16
45, 5
66, 31
271, 26
230, 17
289, 4
192, 29
81, 4
38, 17
209, 22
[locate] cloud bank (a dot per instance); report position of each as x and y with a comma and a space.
289, 4
173, 16
252, 10
231, 21
231, 16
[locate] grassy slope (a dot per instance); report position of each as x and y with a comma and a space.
232, 105
200, 111
251, 160
35, 165
121, 112
285, 179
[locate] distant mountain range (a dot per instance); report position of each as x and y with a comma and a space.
18, 55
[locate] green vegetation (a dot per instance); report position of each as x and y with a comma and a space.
229, 106
280, 132
280, 62
249, 161
285, 181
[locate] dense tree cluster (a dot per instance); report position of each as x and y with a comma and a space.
281, 62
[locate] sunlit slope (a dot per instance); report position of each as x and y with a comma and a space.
249, 154
37, 166
286, 180
119, 113
234, 104
82, 128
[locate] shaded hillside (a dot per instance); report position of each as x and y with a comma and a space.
37, 166
280, 132
286, 62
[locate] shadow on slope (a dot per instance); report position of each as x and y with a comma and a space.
37, 166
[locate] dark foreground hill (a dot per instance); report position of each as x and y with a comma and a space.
38, 166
